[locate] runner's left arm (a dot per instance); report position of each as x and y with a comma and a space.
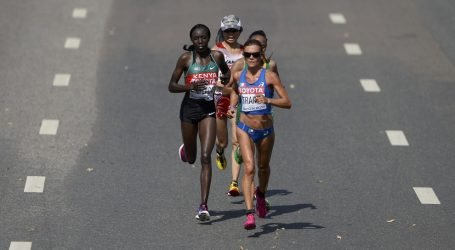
283, 100
224, 68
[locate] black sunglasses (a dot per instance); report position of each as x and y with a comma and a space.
254, 54
230, 30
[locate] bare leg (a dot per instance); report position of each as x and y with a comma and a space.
221, 134
235, 166
247, 150
264, 154
207, 136
189, 135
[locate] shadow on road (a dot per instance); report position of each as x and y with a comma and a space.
280, 192
270, 193
274, 227
219, 216
274, 211
286, 209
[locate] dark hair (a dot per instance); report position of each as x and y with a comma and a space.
261, 33
256, 42
250, 42
197, 26
258, 32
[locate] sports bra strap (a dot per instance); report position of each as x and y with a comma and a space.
193, 58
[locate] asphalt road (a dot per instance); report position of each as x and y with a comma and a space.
110, 175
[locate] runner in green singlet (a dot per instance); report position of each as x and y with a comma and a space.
200, 66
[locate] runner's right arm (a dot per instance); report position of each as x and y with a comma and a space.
180, 67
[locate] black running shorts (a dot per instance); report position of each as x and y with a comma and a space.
194, 111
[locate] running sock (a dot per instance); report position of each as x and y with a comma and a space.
250, 211
259, 193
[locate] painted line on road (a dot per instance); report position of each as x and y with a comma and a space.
79, 13
34, 184
49, 127
352, 49
397, 138
337, 18
426, 195
20, 245
370, 85
62, 80
72, 43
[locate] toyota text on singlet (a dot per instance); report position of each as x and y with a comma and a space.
249, 91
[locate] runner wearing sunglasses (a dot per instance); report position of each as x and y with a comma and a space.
256, 86
240, 65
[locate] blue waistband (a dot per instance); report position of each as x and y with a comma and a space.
255, 134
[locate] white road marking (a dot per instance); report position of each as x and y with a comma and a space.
34, 184
397, 138
352, 49
79, 13
370, 85
337, 18
72, 43
49, 127
62, 80
426, 195
20, 245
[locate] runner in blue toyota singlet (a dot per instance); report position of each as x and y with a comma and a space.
256, 86
239, 65
248, 93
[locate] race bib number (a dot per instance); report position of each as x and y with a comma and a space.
248, 95
207, 92
249, 103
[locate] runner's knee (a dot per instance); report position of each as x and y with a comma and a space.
222, 144
205, 158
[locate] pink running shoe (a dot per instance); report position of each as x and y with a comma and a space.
182, 154
261, 205
250, 222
